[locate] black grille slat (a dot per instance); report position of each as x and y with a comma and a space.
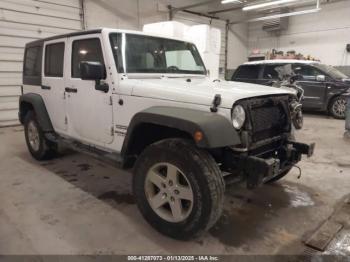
268, 119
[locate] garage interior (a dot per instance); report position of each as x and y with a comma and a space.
75, 204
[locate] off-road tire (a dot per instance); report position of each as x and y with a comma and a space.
332, 110
46, 149
204, 177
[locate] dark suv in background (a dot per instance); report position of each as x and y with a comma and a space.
325, 88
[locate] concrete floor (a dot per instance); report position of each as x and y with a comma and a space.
77, 205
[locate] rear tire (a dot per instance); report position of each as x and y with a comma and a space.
39, 147
201, 200
337, 107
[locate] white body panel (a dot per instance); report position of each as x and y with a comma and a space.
89, 111
91, 115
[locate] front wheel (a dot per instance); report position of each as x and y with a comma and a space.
337, 107
179, 189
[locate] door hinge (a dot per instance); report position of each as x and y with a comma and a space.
112, 130
110, 100
65, 120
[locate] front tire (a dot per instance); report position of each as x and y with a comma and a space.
337, 107
179, 188
39, 147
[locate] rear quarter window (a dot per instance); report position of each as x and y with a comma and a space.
247, 72
32, 64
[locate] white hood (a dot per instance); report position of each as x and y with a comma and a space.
199, 90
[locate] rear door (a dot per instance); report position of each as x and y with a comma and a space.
53, 83
89, 111
247, 73
314, 91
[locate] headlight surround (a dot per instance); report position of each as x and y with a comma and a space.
238, 116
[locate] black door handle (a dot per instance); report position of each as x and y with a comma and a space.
46, 87
71, 90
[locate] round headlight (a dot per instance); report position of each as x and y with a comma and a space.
238, 116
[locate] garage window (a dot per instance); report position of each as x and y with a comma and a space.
54, 56
85, 50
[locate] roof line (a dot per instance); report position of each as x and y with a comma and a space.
86, 32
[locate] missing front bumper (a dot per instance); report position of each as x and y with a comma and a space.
259, 170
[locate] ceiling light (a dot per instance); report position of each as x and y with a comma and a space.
230, 1
284, 15
266, 4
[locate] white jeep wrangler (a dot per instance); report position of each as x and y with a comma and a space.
146, 102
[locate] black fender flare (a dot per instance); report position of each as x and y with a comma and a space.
38, 104
217, 130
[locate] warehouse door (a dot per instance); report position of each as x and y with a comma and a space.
23, 21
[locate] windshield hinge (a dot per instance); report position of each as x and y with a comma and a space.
110, 100
112, 130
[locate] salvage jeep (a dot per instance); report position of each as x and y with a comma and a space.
146, 102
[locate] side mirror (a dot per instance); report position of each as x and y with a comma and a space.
92, 71
320, 78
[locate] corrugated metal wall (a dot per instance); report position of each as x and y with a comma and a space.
22, 21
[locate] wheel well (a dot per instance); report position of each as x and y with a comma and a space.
146, 134
24, 108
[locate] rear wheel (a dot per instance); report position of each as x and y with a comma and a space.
337, 107
39, 147
179, 189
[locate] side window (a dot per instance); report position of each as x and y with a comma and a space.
32, 61
248, 72
54, 57
307, 72
85, 50
270, 72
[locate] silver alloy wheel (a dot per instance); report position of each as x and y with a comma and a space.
339, 107
33, 136
169, 193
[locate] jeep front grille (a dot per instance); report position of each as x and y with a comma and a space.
268, 121
268, 117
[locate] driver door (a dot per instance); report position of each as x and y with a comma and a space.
89, 111
314, 90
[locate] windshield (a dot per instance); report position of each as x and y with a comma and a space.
330, 70
146, 54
